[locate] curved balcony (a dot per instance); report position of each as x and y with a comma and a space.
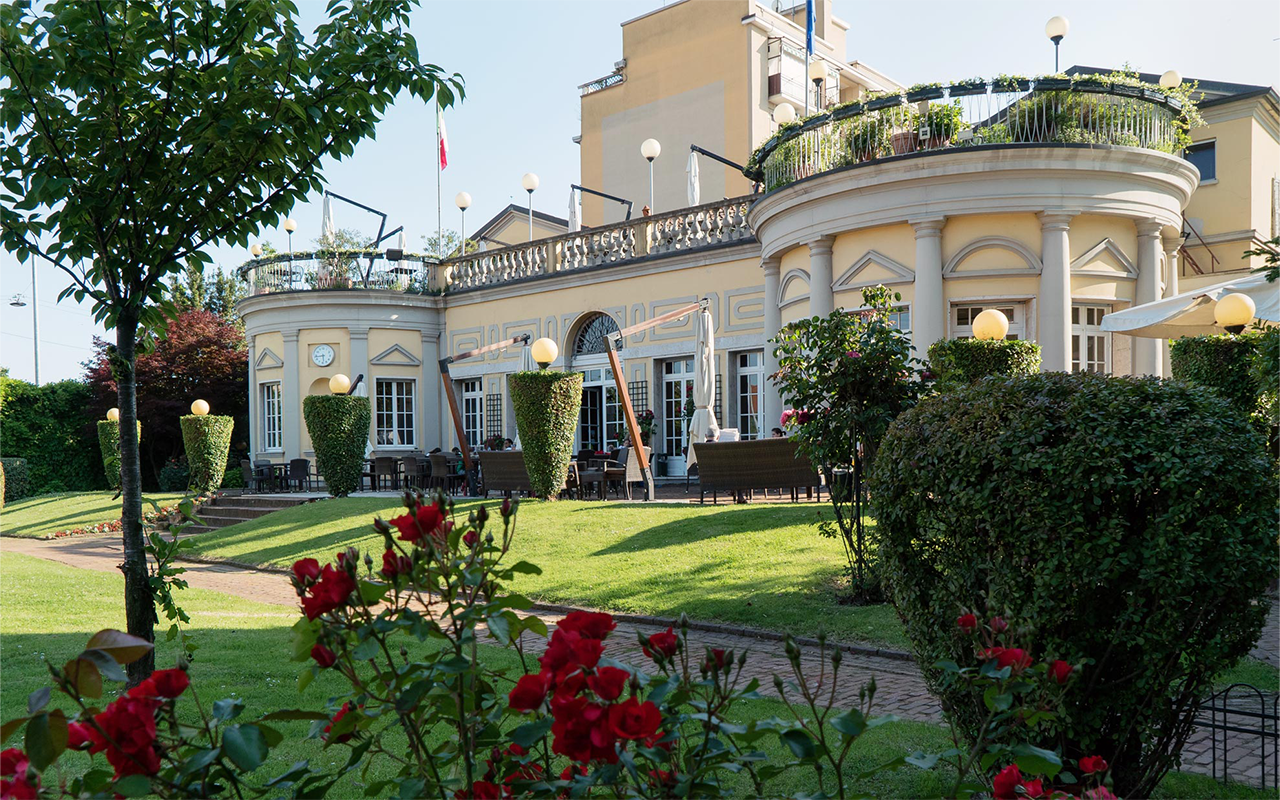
1079, 111
345, 269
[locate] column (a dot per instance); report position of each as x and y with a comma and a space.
291, 398
1055, 292
1146, 351
358, 363
772, 324
822, 300
1171, 247
430, 407
253, 397
928, 309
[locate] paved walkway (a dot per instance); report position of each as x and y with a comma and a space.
901, 690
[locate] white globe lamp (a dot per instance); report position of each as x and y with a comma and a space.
990, 324
200, 408
544, 351
339, 384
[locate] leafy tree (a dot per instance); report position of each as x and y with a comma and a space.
1269, 252
211, 290
846, 376
50, 427
149, 131
446, 244
199, 356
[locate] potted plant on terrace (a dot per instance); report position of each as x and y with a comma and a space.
968, 87
940, 123
924, 91
1011, 83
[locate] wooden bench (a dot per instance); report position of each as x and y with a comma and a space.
737, 467
503, 471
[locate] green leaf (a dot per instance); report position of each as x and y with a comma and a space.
245, 746
11, 727
528, 734
801, 743
46, 738
851, 723
200, 760
499, 627
122, 647
1036, 761
37, 699
84, 677
133, 786
227, 709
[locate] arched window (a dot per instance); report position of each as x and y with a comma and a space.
591, 336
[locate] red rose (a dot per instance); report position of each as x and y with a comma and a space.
1099, 793
170, 683
581, 732
130, 727
608, 682
1004, 786
482, 790
998, 624
394, 564
968, 623
13, 762
79, 736
569, 649
20, 789
1033, 788
716, 660
529, 693
323, 656
1090, 765
588, 624
1013, 657
306, 570
428, 520
342, 737
664, 643
330, 592
471, 537
1060, 670
145, 688
632, 719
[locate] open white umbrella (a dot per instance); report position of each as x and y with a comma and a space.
703, 423
526, 365
1191, 313
575, 213
695, 191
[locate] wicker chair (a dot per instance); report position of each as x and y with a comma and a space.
503, 471
415, 472
385, 467
300, 472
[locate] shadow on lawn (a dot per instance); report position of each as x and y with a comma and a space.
706, 526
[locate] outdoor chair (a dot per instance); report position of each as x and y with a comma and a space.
264, 470
503, 471
299, 472
441, 476
385, 467
414, 472
252, 481
625, 470
738, 468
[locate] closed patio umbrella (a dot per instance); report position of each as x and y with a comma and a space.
526, 365
695, 190
703, 423
575, 213
1191, 313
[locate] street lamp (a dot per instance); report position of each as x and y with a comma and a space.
990, 324
256, 250
817, 74
544, 351
784, 114
290, 225
650, 149
339, 384
1234, 311
463, 201
1171, 79
113, 414
1056, 28
530, 183
200, 408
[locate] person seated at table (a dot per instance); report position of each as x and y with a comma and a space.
777, 433
507, 444
434, 450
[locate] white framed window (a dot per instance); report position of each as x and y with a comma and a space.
962, 319
1090, 345
393, 412
272, 416
473, 411
677, 395
750, 396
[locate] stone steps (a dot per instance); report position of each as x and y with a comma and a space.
228, 510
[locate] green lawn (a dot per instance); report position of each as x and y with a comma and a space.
762, 566
1253, 672
244, 653
41, 517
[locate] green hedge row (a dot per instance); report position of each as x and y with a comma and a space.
958, 362
1223, 363
339, 429
546, 405
207, 441
1123, 524
15, 482
51, 427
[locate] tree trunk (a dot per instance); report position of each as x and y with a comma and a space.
139, 605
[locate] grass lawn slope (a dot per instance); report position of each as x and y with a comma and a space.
761, 566
41, 517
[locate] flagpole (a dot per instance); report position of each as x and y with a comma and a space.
439, 213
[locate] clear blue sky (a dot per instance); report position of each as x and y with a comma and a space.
523, 62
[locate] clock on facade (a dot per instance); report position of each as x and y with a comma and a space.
322, 355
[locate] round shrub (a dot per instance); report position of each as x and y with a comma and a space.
207, 441
546, 405
957, 362
1223, 363
109, 444
339, 428
1131, 523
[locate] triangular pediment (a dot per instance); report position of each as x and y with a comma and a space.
268, 360
1105, 259
873, 268
397, 356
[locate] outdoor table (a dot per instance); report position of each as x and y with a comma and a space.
596, 476
278, 474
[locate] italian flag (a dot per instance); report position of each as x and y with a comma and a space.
443, 136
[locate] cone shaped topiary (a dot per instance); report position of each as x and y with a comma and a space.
109, 443
207, 440
546, 405
339, 428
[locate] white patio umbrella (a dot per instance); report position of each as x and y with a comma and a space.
526, 365
1191, 313
328, 232
362, 390
402, 242
695, 191
575, 212
703, 423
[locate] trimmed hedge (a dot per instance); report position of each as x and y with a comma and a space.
1128, 524
207, 441
1222, 363
51, 426
547, 405
958, 362
339, 429
109, 443
15, 482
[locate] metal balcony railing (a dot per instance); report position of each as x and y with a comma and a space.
347, 269
708, 225
975, 113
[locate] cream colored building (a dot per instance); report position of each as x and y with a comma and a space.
1057, 224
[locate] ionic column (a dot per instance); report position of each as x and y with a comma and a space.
291, 398
1146, 351
253, 397
1171, 247
1055, 292
928, 311
822, 300
772, 324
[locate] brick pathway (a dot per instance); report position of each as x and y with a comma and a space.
901, 690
